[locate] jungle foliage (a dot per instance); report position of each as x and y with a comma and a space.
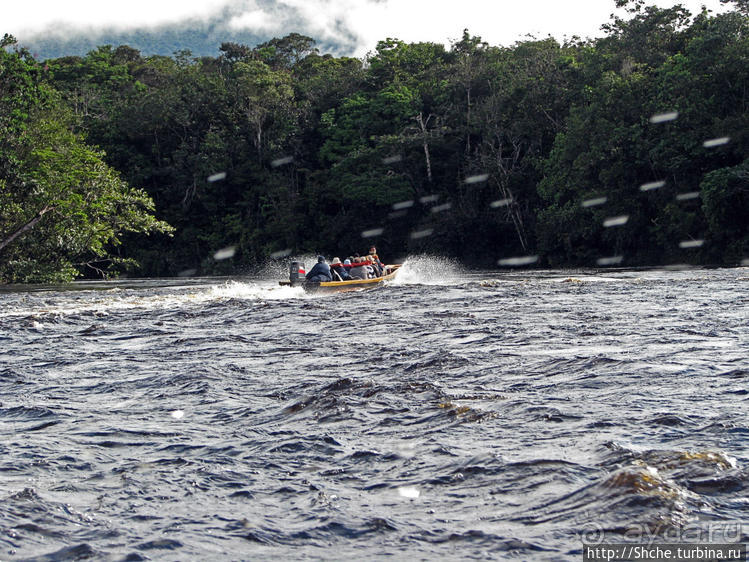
627, 149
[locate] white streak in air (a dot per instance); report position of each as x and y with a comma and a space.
500, 203
518, 261
225, 253
613, 260
476, 179
594, 202
409, 492
402, 205
745, 262
372, 232
688, 196
616, 221
392, 159
281, 161
712, 143
280, 254
443, 207
686, 244
652, 185
187, 272
217, 177
429, 199
664, 117
421, 233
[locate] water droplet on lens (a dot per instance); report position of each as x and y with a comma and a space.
225, 253
421, 233
686, 244
500, 203
664, 117
613, 260
443, 207
518, 261
616, 221
652, 185
402, 205
594, 202
711, 143
476, 179
281, 161
409, 492
688, 196
372, 232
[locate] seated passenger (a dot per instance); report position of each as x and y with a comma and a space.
320, 271
378, 264
371, 271
337, 269
359, 270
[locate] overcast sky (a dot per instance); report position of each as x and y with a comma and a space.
499, 22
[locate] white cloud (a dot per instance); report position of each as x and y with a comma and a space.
256, 20
37, 15
352, 22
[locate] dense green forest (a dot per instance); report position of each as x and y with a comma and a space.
628, 149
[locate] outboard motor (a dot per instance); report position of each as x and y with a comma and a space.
296, 272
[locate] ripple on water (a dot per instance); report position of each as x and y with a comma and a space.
489, 415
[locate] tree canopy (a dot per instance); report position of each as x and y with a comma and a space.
625, 149
62, 207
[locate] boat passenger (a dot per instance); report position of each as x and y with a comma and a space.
320, 271
371, 271
359, 270
337, 269
376, 266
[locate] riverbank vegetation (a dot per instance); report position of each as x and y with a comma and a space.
628, 149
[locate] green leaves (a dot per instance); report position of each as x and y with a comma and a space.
60, 204
476, 151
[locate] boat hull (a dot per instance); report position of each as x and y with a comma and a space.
342, 286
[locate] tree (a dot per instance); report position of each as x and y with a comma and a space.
62, 209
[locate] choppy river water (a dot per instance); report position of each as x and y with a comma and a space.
448, 415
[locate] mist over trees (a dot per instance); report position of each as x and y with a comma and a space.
629, 149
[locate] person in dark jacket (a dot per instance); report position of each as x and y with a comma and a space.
320, 271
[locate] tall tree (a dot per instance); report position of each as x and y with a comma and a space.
62, 209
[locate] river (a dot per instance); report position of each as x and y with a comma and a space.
448, 415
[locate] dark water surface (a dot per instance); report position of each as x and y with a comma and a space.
486, 415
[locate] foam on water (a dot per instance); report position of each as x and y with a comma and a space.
429, 270
416, 422
252, 291
114, 300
